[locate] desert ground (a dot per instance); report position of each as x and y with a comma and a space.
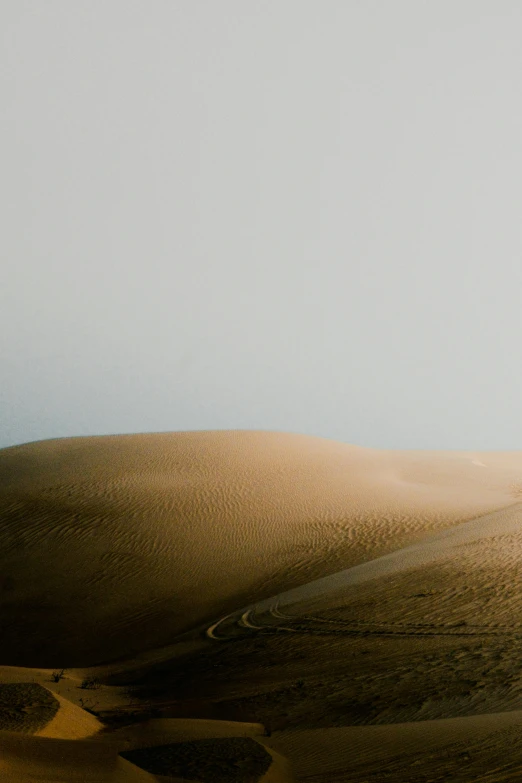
258, 606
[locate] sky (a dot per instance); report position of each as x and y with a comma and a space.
301, 216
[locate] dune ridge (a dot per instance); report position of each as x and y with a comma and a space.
366, 604
146, 536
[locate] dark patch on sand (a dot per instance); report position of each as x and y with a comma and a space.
26, 706
232, 759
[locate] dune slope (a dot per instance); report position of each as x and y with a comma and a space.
402, 664
143, 536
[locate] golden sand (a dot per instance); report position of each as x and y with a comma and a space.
112, 547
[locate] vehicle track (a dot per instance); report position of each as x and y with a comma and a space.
434, 548
314, 625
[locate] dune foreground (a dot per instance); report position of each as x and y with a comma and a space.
258, 606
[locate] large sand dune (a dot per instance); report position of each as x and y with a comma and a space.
111, 547
145, 536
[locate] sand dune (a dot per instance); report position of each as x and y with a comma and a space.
77, 746
479, 748
148, 535
404, 653
64, 761
503, 525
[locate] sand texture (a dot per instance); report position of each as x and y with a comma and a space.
356, 612
225, 760
26, 706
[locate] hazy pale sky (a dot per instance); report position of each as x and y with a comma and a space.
284, 215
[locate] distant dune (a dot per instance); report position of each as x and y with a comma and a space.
113, 545
401, 665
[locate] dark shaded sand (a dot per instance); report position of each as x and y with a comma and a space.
222, 760
26, 706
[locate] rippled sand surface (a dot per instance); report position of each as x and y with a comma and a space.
113, 546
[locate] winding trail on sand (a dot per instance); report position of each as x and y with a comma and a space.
432, 548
